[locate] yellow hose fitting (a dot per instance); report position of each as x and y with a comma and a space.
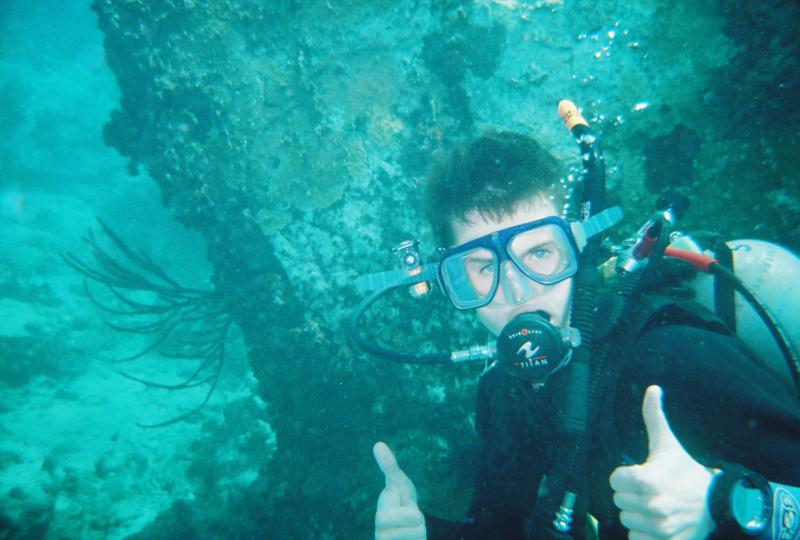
570, 114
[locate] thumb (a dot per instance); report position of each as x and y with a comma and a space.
396, 479
659, 434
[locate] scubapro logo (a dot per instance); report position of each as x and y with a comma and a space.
531, 358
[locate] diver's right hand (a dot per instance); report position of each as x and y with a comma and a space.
398, 517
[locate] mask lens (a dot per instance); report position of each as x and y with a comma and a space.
545, 254
470, 277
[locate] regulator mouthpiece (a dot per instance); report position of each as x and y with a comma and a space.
531, 349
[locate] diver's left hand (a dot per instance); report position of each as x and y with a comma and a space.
664, 497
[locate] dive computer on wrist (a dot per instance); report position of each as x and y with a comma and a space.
740, 502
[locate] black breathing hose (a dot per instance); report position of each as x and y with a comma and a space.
372, 346
574, 419
580, 398
779, 336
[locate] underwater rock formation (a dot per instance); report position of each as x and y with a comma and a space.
756, 94
669, 159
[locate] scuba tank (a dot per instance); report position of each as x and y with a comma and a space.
750, 285
771, 272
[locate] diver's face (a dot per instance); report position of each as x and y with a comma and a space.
552, 299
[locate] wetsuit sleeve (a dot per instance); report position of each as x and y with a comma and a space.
506, 481
443, 529
721, 404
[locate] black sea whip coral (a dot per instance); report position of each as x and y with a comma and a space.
181, 322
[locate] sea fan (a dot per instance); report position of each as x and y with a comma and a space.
181, 322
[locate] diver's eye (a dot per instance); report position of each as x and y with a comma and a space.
543, 259
540, 253
486, 269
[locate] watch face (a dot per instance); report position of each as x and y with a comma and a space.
749, 507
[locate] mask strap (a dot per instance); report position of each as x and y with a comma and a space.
394, 278
583, 230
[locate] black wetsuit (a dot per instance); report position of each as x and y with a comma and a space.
720, 403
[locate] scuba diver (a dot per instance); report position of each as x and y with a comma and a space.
620, 411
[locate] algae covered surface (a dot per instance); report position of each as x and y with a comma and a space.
264, 155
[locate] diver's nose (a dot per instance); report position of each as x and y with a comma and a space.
517, 287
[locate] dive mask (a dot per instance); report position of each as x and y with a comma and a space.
545, 251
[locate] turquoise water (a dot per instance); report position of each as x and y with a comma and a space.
264, 155
73, 463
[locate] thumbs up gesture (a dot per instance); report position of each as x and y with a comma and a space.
398, 517
664, 497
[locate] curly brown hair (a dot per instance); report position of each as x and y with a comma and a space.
490, 175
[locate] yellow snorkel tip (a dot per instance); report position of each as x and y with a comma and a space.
570, 114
